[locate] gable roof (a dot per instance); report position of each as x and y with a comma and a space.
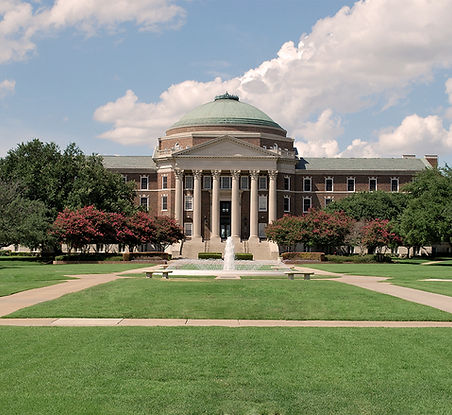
361, 164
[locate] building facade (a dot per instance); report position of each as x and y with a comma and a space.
227, 169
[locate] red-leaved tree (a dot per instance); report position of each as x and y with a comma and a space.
379, 234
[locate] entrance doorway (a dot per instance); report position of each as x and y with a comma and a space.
225, 219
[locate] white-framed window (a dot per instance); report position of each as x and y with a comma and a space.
262, 203
307, 204
394, 184
188, 203
144, 182
244, 182
261, 229
164, 202
350, 184
286, 183
225, 182
372, 184
144, 202
164, 182
328, 200
286, 203
262, 183
189, 182
329, 184
188, 229
206, 182
307, 184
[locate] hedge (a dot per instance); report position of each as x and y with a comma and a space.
243, 256
303, 256
359, 259
88, 257
210, 255
130, 256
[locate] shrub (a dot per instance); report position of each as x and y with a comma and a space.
303, 256
358, 259
210, 255
89, 257
139, 256
244, 256
5, 253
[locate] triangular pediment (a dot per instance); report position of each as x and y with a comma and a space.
226, 146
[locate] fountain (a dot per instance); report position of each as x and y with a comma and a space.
229, 260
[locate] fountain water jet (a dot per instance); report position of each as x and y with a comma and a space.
229, 260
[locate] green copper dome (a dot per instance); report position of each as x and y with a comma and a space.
225, 110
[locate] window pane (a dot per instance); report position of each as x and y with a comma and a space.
262, 203
351, 185
188, 228
306, 204
261, 229
244, 183
286, 183
329, 185
207, 182
394, 185
286, 204
164, 182
144, 183
372, 185
188, 202
328, 200
307, 185
225, 182
164, 202
262, 182
189, 182
144, 202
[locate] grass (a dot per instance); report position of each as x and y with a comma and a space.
16, 276
405, 275
199, 370
235, 299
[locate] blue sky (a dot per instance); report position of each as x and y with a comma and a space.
368, 80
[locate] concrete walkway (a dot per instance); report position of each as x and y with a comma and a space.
153, 322
439, 301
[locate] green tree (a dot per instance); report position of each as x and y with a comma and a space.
428, 217
22, 221
371, 205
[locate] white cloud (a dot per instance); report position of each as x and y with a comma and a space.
22, 22
7, 87
376, 49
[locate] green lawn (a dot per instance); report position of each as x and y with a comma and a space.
405, 275
199, 370
18, 276
236, 299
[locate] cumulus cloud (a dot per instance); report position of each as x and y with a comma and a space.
7, 87
21, 21
376, 49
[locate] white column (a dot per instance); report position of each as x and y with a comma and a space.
178, 211
254, 205
272, 195
215, 213
197, 203
235, 214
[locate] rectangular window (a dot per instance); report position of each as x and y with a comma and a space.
329, 184
124, 178
350, 184
262, 203
188, 228
286, 183
286, 203
328, 200
244, 183
307, 202
372, 184
262, 183
207, 182
261, 229
225, 182
188, 205
144, 202
164, 182
189, 182
165, 202
395, 184
307, 184
144, 183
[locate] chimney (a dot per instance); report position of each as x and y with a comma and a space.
432, 159
409, 156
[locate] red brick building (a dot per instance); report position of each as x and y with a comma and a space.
227, 169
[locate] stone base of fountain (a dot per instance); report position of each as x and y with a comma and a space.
222, 275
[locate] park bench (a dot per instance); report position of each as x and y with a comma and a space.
291, 274
164, 272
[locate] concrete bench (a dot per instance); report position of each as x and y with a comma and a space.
291, 274
164, 272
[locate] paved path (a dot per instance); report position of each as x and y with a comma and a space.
152, 322
439, 301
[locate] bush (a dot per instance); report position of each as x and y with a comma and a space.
5, 253
88, 257
140, 256
243, 256
303, 256
210, 255
358, 259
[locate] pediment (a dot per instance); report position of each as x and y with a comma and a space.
226, 146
